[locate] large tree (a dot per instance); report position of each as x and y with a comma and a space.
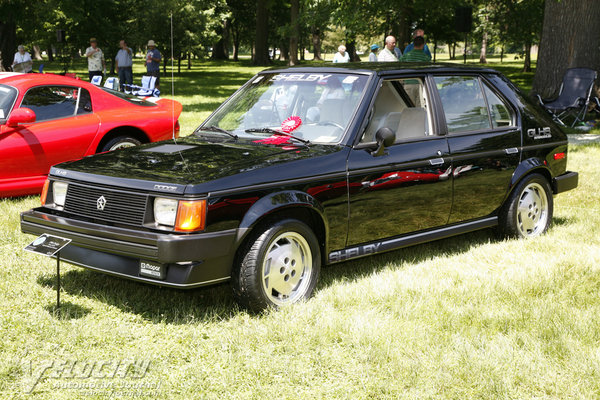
570, 38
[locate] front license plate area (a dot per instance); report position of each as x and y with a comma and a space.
152, 270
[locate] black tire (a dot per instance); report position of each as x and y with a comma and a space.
120, 142
528, 211
261, 278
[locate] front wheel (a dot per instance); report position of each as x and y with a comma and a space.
528, 211
120, 142
278, 266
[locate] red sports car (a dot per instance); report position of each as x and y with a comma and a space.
46, 119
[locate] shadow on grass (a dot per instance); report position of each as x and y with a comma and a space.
165, 305
215, 303
153, 303
67, 310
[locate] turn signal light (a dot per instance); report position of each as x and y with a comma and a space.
45, 192
191, 215
559, 156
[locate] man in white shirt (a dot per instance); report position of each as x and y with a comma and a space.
387, 54
22, 61
96, 63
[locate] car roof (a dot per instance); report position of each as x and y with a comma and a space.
383, 68
18, 79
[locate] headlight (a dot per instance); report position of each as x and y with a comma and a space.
59, 193
165, 211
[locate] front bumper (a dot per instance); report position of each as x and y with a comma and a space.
191, 260
567, 181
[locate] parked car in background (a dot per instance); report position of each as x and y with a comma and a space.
309, 166
46, 119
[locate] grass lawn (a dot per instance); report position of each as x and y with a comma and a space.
466, 317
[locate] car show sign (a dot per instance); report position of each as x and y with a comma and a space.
47, 245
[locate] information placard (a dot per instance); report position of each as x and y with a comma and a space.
47, 245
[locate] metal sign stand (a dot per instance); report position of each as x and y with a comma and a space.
58, 280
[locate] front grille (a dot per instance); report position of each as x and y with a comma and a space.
119, 206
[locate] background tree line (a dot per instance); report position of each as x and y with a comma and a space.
222, 28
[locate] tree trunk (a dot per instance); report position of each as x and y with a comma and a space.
501, 54
483, 53
50, 52
261, 42
189, 60
179, 64
37, 53
351, 48
527, 63
236, 43
221, 47
316, 41
294, 11
570, 38
435, 46
8, 45
452, 50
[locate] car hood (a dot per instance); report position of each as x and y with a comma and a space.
194, 166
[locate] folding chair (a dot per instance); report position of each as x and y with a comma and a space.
573, 97
96, 80
112, 83
147, 88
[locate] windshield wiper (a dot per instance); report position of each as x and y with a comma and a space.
213, 128
275, 131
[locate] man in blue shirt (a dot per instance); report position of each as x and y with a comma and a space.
418, 32
153, 58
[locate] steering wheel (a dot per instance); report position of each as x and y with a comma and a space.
331, 123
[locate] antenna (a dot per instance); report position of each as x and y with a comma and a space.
172, 84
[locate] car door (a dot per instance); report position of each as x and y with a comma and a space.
484, 143
65, 125
408, 188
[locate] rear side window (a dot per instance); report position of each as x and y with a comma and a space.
52, 102
470, 105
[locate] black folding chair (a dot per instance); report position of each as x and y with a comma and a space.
573, 97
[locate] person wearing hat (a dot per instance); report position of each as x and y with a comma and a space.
373, 54
95, 57
153, 58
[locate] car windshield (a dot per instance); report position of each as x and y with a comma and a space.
310, 106
130, 98
7, 98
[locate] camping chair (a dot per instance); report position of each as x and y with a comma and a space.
147, 88
573, 97
112, 83
96, 80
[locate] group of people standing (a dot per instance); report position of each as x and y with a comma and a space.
416, 51
123, 62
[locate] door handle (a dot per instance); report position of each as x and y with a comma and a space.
436, 161
511, 150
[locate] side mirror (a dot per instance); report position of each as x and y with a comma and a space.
20, 116
385, 137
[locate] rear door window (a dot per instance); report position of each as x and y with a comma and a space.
471, 105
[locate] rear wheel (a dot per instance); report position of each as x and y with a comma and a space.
120, 142
278, 266
528, 211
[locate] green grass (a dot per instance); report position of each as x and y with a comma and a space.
466, 317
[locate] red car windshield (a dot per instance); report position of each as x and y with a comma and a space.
7, 99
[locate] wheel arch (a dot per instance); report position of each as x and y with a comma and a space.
528, 167
281, 205
132, 131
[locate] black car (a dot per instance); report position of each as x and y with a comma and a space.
309, 166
